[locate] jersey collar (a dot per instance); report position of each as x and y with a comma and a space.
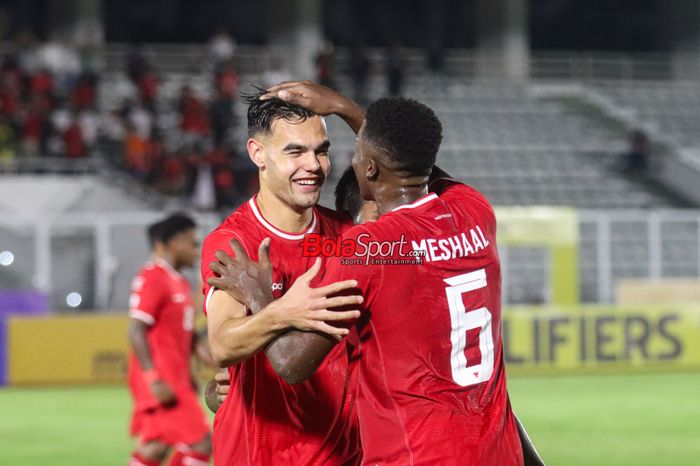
417, 203
168, 268
282, 234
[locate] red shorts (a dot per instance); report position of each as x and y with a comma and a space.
183, 423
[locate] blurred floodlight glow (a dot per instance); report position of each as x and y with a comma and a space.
74, 299
6, 258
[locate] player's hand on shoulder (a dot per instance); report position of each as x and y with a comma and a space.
246, 281
309, 309
319, 99
163, 393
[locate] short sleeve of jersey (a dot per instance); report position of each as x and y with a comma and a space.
148, 293
217, 240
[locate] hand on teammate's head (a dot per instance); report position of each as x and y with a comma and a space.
319, 99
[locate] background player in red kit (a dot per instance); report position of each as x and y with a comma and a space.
167, 412
264, 420
432, 377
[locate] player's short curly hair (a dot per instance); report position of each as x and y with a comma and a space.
262, 113
407, 131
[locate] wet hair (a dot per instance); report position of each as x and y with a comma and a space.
406, 131
262, 113
347, 194
164, 230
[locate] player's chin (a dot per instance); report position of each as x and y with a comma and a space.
307, 199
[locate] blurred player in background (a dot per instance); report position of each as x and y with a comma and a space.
265, 420
167, 413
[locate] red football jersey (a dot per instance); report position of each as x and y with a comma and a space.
162, 298
265, 420
432, 379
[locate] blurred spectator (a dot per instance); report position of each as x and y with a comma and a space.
194, 120
359, 73
136, 152
636, 161
394, 70
222, 48
142, 120
435, 57
227, 80
89, 123
147, 85
42, 82
73, 140
221, 113
7, 139
84, 93
324, 63
204, 191
136, 63
36, 126
63, 62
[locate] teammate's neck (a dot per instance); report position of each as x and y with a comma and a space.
163, 256
388, 197
281, 215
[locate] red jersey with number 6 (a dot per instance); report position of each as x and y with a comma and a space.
432, 379
265, 420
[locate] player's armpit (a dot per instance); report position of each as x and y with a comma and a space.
235, 336
296, 355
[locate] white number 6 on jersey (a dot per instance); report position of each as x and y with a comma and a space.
463, 320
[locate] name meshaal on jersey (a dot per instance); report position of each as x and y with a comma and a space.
461, 245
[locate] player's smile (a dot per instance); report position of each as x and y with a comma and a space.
309, 183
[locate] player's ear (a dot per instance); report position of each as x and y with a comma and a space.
256, 151
372, 170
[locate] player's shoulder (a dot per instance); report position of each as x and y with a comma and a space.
333, 220
453, 191
149, 272
240, 225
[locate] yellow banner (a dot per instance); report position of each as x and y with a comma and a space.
600, 338
82, 349
72, 349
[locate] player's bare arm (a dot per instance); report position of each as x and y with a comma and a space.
320, 100
159, 388
200, 348
296, 354
242, 283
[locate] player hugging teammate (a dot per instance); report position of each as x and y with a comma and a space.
421, 369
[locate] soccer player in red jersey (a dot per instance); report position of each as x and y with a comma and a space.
167, 413
264, 420
432, 380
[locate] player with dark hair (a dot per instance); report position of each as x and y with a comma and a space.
348, 199
451, 378
264, 420
167, 413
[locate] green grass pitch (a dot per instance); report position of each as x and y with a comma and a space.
632, 419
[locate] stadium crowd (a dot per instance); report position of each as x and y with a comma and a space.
49, 107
